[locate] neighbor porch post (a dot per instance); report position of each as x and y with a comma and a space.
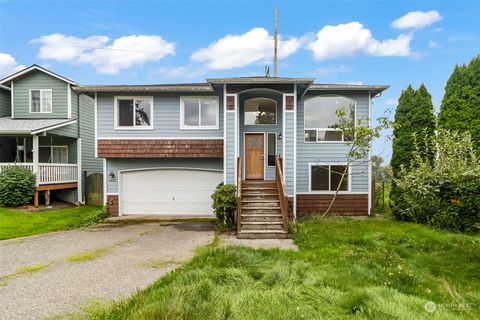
35, 168
79, 171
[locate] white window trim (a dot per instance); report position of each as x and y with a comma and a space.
134, 127
261, 124
58, 147
183, 126
311, 164
30, 100
266, 147
327, 129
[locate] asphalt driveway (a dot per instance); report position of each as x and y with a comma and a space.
47, 275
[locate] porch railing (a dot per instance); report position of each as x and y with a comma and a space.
282, 193
49, 173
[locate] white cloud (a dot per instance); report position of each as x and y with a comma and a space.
416, 20
432, 44
331, 70
8, 65
122, 53
350, 39
235, 51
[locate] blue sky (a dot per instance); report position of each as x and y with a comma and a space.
117, 42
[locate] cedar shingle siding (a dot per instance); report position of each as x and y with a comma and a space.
175, 148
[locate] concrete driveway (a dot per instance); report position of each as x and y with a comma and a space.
47, 275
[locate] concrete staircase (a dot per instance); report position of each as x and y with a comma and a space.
261, 214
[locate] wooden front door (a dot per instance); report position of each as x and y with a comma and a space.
254, 154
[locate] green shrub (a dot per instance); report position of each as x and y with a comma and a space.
225, 203
98, 216
17, 186
444, 194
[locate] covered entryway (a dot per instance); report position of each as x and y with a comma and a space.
168, 191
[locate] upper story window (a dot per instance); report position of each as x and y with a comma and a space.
134, 112
321, 120
199, 113
41, 101
260, 111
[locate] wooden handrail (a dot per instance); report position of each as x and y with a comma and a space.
282, 193
239, 193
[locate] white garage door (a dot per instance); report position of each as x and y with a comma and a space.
168, 191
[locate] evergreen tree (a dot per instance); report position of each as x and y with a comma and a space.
414, 121
460, 108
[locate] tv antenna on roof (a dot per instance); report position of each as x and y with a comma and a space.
275, 41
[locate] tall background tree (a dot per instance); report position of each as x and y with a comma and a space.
414, 121
460, 108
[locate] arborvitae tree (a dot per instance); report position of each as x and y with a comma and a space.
414, 121
460, 109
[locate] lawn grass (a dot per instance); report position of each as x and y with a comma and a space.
16, 223
366, 269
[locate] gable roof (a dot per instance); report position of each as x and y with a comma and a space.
32, 68
31, 126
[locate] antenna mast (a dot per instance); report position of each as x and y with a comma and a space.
275, 39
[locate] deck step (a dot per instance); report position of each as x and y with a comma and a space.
262, 234
261, 225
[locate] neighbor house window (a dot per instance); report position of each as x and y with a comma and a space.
41, 100
53, 154
136, 112
328, 177
199, 113
271, 148
321, 120
260, 111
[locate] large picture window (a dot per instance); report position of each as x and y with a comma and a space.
134, 112
260, 111
199, 113
327, 177
41, 101
321, 120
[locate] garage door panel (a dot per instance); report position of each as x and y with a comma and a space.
168, 191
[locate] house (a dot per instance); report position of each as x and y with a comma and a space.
165, 147
48, 127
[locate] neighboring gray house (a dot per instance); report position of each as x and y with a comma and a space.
165, 147
48, 127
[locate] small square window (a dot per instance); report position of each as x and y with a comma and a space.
41, 101
328, 177
134, 112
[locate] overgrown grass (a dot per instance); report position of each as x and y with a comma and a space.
367, 269
16, 223
89, 255
382, 199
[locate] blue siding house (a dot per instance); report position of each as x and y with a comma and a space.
165, 147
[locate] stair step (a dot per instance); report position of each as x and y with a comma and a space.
261, 225
263, 208
262, 234
259, 189
249, 200
261, 218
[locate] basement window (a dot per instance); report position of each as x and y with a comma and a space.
327, 177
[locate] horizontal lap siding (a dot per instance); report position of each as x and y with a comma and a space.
72, 129
330, 152
90, 164
39, 80
289, 137
114, 165
5, 104
166, 122
230, 148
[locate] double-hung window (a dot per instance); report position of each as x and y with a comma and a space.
134, 112
327, 177
40, 101
199, 113
321, 119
